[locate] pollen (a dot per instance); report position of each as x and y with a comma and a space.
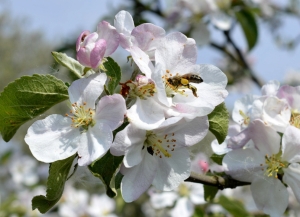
81, 116
274, 165
295, 119
160, 145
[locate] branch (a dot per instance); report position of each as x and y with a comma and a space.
216, 181
243, 60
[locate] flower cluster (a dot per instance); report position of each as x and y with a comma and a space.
264, 148
166, 105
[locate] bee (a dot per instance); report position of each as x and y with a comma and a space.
184, 81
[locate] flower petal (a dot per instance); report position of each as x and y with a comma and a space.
87, 90
292, 178
173, 170
270, 195
94, 143
138, 179
110, 35
183, 208
52, 138
97, 53
291, 145
142, 60
111, 110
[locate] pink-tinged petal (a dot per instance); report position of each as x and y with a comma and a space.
146, 114
97, 53
129, 137
176, 53
142, 60
52, 138
186, 133
270, 196
94, 143
147, 37
138, 179
87, 90
83, 57
183, 208
291, 145
111, 110
291, 177
270, 88
265, 138
244, 164
240, 139
124, 23
291, 94
81, 38
172, 171
110, 35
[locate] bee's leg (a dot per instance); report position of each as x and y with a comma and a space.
193, 89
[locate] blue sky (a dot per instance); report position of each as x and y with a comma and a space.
61, 20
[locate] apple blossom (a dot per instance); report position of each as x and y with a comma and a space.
184, 88
93, 47
264, 164
87, 130
159, 156
145, 36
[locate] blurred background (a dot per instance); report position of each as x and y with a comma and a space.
252, 41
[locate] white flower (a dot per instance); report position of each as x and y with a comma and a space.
184, 88
87, 131
101, 206
159, 156
263, 164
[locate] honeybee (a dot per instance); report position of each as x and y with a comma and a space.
184, 81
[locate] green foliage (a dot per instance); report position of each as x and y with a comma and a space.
218, 122
58, 174
248, 22
234, 207
105, 169
113, 71
210, 192
26, 98
70, 63
217, 158
118, 180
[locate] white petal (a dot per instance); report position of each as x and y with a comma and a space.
292, 178
270, 88
243, 105
134, 155
183, 208
244, 164
111, 110
196, 193
142, 60
87, 90
221, 20
52, 138
270, 195
291, 145
124, 23
138, 178
186, 133
146, 114
173, 170
163, 199
130, 136
291, 94
220, 149
94, 144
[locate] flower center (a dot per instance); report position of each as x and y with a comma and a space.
142, 88
274, 165
81, 116
183, 190
160, 145
246, 119
295, 119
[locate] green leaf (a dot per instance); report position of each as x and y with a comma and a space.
217, 158
26, 98
105, 169
70, 63
248, 22
113, 71
58, 174
218, 122
118, 180
234, 207
210, 192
